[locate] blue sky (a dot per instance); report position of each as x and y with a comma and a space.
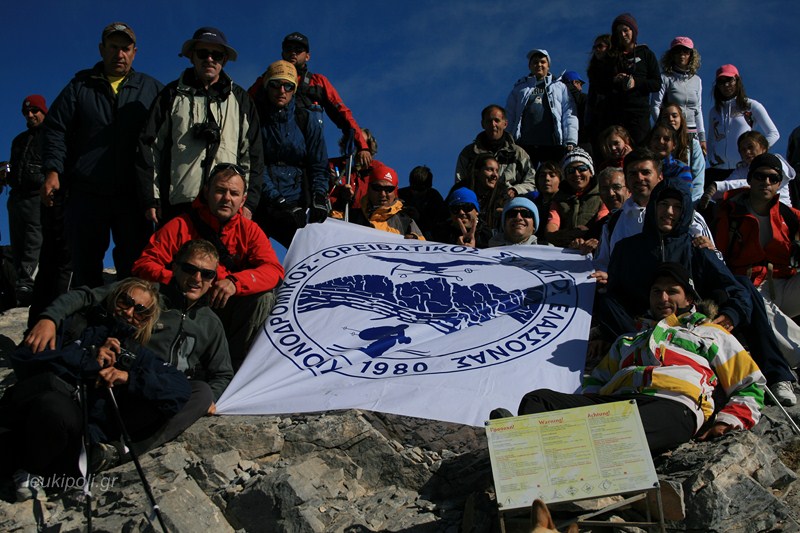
416, 73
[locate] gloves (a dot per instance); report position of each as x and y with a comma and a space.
319, 209
298, 214
711, 190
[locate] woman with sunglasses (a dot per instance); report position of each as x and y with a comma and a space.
295, 182
733, 114
577, 203
94, 351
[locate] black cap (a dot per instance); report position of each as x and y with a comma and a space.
296, 38
678, 273
766, 160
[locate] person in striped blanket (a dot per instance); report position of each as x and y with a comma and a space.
672, 367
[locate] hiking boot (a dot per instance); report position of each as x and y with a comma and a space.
27, 485
499, 413
784, 393
104, 457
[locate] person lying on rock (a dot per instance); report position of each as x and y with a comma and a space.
47, 416
672, 367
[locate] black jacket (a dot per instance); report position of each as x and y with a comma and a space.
26, 175
91, 134
636, 258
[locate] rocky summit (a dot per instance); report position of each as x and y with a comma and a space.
354, 471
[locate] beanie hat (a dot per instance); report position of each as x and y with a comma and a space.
463, 195
577, 154
380, 172
524, 203
766, 160
571, 75
628, 20
677, 272
281, 70
34, 101
727, 71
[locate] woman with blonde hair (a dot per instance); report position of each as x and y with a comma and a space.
681, 85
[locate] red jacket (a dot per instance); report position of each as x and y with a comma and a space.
318, 90
741, 244
258, 268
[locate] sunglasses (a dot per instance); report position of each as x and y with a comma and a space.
205, 273
125, 301
278, 84
202, 53
763, 176
574, 170
226, 166
457, 208
524, 213
382, 188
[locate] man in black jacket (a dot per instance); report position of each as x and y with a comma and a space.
90, 138
25, 179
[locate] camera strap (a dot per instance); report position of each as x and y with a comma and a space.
211, 146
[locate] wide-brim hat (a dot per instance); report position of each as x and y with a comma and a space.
208, 35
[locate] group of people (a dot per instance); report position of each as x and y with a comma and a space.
192, 179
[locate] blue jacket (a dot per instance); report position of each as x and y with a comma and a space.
635, 259
295, 156
91, 134
561, 104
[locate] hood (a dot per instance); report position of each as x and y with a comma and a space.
685, 220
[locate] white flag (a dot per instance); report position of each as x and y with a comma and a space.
366, 319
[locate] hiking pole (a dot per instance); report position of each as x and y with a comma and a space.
127, 441
350, 149
788, 416
84, 465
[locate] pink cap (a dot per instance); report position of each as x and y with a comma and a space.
682, 41
727, 71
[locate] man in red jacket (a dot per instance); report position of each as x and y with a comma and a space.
758, 236
316, 90
248, 271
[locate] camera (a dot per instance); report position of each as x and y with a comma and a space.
207, 131
125, 359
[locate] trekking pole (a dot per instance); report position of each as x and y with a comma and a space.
788, 416
84, 465
350, 149
127, 441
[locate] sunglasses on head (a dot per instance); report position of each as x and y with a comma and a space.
381, 188
763, 176
457, 208
277, 84
524, 213
225, 166
205, 273
202, 53
126, 301
580, 168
